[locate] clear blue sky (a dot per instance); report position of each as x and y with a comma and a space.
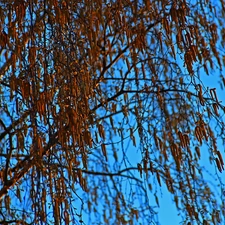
167, 211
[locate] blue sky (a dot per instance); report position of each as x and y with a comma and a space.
167, 212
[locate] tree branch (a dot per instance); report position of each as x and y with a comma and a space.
15, 123
24, 166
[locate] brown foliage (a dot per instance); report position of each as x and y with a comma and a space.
102, 103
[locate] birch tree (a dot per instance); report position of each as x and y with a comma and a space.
103, 103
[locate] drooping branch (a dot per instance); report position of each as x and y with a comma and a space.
23, 167
15, 123
149, 91
120, 173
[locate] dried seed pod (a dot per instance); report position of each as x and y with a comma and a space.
220, 159
218, 165
197, 149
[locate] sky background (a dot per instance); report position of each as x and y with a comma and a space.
167, 213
